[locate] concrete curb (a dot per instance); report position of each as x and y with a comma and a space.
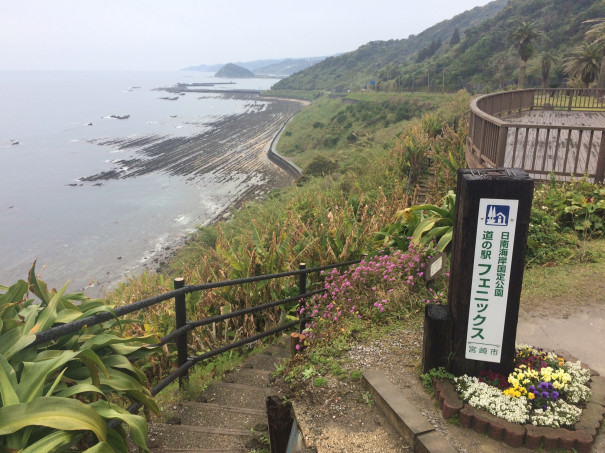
280, 160
405, 418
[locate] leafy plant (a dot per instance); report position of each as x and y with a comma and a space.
563, 213
435, 373
397, 234
437, 223
421, 224
582, 207
356, 375
63, 393
365, 397
309, 372
320, 382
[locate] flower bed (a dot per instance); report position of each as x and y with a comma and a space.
546, 401
543, 390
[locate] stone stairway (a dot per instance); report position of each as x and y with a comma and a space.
229, 417
421, 185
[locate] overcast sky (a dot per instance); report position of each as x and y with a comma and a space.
172, 34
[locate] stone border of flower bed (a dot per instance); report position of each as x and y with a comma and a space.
582, 437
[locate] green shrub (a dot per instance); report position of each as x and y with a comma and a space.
435, 373
321, 166
64, 392
356, 375
546, 242
420, 224
320, 382
578, 206
562, 214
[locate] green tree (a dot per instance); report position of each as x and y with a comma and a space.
596, 34
455, 39
547, 60
523, 36
584, 62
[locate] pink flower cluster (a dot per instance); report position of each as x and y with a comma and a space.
363, 290
435, 297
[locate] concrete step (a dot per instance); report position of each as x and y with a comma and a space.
277, 350
248, 376
409, 422
175, 438
220, 416
234, 409
236, 395
199, 450
267, 359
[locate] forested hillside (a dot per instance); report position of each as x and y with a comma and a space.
473, 50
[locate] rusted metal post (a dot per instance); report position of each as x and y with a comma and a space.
302, 289
180, 310
279, 417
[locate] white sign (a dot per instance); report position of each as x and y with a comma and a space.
491, 272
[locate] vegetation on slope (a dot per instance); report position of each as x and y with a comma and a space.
232, 70
363, 155
484, 58
332, 127
323, 219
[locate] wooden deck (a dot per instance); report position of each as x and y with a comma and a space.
557, 118
558, 142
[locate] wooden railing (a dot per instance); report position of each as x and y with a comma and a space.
573, 144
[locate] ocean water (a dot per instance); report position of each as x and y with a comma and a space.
97, 234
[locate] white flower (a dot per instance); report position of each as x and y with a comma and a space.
556, 415
577, 393
483, 396
577, 373
569, 380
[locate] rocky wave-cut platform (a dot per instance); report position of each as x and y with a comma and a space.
232, 146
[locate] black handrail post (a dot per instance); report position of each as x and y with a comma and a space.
302, 289
180, 309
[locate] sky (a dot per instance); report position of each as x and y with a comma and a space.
171, 35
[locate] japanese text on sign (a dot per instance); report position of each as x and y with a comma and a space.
491, 272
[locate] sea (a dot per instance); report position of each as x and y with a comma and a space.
52, 126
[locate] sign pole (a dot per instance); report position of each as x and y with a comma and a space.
489, 242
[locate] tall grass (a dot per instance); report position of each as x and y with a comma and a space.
325, 220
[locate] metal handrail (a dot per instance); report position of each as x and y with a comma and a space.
58, 331
179, 335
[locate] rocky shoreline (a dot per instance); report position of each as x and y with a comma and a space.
233, 152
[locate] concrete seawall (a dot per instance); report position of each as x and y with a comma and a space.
278, 159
